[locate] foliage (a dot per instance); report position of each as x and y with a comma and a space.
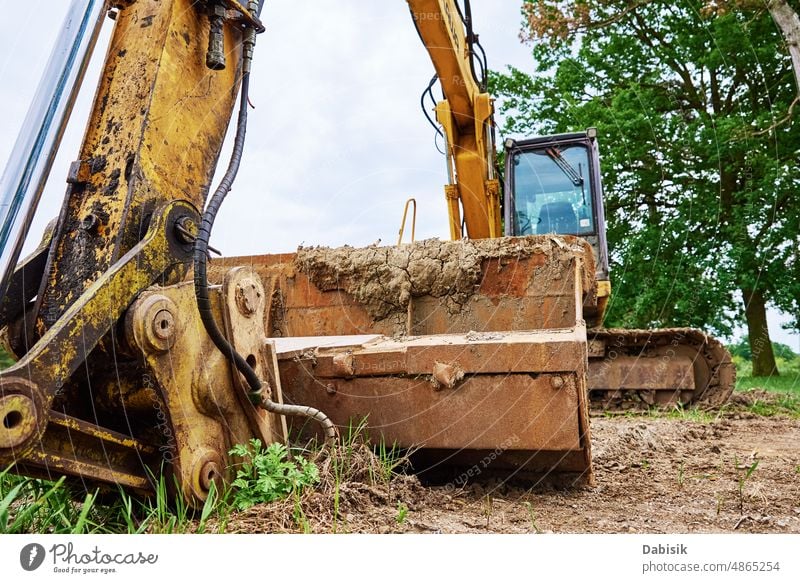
742, 349
268, 474
698, 151
402, 513
787, 361
5, 359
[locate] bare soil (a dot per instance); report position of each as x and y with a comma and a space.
654, 474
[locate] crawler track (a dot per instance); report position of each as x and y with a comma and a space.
702, 365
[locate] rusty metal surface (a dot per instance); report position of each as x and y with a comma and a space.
668, 366
56, 356
74, 447
522, 392
485, 353
517, 292
518, 283
204, 417
25, 282
634, 373
453, 395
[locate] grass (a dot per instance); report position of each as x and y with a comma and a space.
745, 472
41, 506
263, 475
688, 414
355, 460
402, 513
783, 398
785, 387
787, 383
532, 517
29, 505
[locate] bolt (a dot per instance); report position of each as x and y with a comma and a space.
248, 297
209, 474
164, 325
186, 230
90, 223
151, 324
557, 382
330, 388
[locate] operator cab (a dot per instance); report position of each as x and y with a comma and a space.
552, 186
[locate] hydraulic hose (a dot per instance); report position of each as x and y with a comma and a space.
257, 393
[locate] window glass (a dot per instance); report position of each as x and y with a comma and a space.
552, 190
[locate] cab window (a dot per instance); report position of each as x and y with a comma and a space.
552, 191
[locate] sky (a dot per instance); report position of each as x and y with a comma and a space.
336, 143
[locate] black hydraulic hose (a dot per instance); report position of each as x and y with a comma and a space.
429, 92
484, 67
467, 18
202, 292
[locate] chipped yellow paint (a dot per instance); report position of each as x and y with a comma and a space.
206, 416
154, 135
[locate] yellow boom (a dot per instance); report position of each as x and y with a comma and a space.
466, 116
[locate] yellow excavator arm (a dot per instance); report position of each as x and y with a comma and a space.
466, 117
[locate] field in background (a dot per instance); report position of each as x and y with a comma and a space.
788, 363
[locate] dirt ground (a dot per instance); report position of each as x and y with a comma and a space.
654, 474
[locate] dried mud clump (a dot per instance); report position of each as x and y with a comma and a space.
384, 279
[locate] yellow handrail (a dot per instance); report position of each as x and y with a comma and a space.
413, 221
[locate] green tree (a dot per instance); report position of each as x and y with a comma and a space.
742, 349
693, 106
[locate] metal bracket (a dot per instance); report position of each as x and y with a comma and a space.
245, 15
244, 314
29, 431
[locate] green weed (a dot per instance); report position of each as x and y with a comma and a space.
745, 473
402, 513
267, 474
532, 517
299, 515
688, 414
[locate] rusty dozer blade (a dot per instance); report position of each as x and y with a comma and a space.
477, 353
512, 401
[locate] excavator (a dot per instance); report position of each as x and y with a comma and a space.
138, 356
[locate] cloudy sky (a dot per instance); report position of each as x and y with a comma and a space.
337, 141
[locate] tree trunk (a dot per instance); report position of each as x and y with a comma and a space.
755, 311
789, 24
